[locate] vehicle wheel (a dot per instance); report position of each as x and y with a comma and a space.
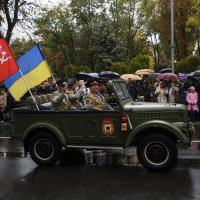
44, 148
157, 153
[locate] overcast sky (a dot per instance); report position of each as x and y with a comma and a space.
19, 33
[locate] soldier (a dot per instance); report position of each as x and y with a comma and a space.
94, 100
74, 96
60, 100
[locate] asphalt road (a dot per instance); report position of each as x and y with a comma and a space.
21, 178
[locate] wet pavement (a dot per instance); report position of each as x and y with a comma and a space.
21, 178
186, 156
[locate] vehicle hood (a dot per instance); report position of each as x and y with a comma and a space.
153, 106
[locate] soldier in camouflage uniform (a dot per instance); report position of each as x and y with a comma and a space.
60, 100
94, 100
74, 96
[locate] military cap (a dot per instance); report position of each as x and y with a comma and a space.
61, 82
71, 81
92, 82
102, 80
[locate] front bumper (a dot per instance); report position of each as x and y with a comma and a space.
189, 130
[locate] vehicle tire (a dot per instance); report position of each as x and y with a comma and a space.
44, 148
157, 153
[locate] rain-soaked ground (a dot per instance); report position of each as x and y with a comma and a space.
20, 178
104, 176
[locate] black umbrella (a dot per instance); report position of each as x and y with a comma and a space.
82, 76
109, 75
167, 70
195, 73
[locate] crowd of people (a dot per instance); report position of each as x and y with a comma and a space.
185, 92
73, 94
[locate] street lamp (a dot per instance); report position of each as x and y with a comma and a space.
172, 34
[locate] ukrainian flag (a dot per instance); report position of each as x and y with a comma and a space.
34, 68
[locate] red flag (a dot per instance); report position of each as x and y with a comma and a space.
8, 65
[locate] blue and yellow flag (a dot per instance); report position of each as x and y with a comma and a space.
34, 68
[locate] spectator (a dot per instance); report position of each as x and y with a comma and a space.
132, 89
192, 100
3, 104
174, 93
161, 92
144, 92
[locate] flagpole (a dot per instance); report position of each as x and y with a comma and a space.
29, 89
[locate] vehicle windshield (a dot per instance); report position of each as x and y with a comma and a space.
121, 90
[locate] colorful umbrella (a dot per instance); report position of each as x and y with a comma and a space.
144, 71
182, 76
133, 77
168, 76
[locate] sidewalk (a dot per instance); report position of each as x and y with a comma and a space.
186, 156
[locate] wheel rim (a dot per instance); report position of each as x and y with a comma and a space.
44, 149
156, 153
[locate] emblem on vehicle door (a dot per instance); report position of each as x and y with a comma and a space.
107, 127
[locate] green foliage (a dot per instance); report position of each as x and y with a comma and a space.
21, 46
72, 70
104, 48
188, 64
141, 62
120, 68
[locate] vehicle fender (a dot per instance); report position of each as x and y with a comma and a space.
157, 124
48, 126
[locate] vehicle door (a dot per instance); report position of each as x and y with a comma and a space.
105, 127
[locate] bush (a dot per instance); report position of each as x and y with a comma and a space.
120, 68
72, 70
188, 64
141, 62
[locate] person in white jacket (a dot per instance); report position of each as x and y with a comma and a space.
161, 92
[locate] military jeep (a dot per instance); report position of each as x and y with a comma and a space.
154, 128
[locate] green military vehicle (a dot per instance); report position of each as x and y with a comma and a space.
154, 128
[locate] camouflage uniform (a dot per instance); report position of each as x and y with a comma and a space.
75, 98
96, 101
61, 102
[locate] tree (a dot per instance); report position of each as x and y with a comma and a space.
16, 11
125, 18
21, 46
58, 37
148, 14
105, 49
193, 25
183, 39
